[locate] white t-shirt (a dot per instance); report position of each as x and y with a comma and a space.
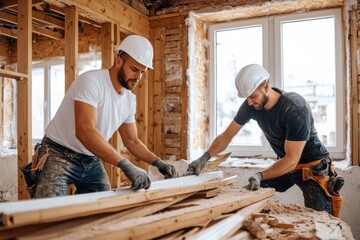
94, 88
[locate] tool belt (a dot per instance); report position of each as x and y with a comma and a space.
323, 173
32, 170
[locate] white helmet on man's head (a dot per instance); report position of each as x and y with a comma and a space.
249, 78
139, 48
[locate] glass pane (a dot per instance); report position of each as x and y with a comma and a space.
89, 65
37, 99
308, 54
57, 88
235, 48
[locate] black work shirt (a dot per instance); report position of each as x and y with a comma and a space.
289, 119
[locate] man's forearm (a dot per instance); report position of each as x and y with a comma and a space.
140, 151
95, 143
278, 168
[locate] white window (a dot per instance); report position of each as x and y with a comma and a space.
48, 90
303, 54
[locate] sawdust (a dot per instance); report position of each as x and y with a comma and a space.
307, 223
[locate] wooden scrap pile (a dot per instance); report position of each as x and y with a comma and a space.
190, 207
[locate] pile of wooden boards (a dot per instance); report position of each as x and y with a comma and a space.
189, 207
173, 208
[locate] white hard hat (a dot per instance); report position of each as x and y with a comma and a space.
249, 78
139, 48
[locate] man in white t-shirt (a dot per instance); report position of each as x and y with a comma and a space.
98, 103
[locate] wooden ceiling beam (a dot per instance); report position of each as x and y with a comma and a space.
8, 3
81, 18
13, 3
128, 19
36, 29
55, 3
41, 17
12, 33
7, 17
47, 33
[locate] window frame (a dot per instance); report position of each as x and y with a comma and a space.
271, 47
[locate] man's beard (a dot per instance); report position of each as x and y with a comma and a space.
260, 106
121, 77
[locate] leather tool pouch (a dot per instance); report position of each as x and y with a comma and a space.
324, 174
32, 170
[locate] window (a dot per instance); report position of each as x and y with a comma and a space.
48, 90
303, 54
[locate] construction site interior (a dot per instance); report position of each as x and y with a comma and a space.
182, 104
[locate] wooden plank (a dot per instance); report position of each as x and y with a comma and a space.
55, 3
184, 93
12, 74
8, 3
71, 229
158, 90
228, 226
107, 57
212, 165
55, 209
127, 18
116, 139
12, 33
166, 222
164, 22
47, 32
7, 17
168, 16
36, 29
354, 89
24, 133
48, 20
71, 43
81, 18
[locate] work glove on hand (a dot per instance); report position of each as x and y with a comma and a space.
167, 170
196, 166
138, 177
254, 181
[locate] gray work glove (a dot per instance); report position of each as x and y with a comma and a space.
138, 177
254, 181
196, 166
167, 170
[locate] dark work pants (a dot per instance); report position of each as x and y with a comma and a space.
314, 196
64, 167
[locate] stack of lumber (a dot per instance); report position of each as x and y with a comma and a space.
173, 206
190, 207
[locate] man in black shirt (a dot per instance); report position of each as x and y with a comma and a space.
287, 122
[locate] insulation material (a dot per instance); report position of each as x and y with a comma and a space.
198, 121
9, 116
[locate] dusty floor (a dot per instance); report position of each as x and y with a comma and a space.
307, 224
